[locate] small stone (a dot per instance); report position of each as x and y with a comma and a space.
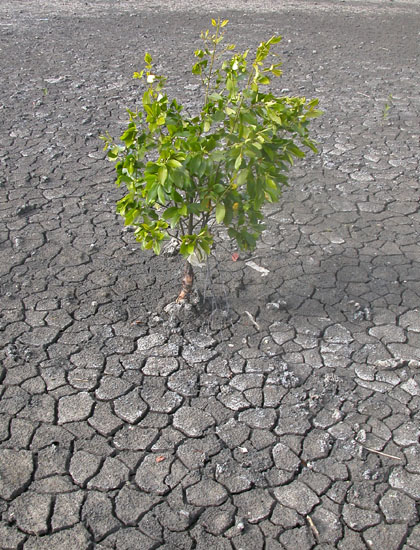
206, 493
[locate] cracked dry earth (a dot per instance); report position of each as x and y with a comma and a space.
283, 414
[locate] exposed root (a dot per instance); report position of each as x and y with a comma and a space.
187, 284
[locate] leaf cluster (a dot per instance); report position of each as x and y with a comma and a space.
184, 174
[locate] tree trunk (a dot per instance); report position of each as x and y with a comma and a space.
187, 284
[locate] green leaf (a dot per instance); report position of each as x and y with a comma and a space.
162, 174
238, 162
161, 195
242, 177
220, 212
113, 153
147, 58
170, 212
193, 208
183, 210
129, 136
157, 247
174, 164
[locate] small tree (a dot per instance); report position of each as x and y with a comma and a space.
184, 174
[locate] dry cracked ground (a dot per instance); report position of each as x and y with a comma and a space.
283, 413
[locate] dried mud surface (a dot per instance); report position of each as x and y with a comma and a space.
281, 414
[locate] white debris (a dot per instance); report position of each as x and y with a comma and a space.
264, 272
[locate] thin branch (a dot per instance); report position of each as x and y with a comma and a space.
213, 57
181, 224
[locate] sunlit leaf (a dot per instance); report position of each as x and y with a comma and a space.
220, 212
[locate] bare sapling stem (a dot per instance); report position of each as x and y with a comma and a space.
187, 283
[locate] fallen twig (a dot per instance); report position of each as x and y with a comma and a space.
313, 528
253, 321
380, 452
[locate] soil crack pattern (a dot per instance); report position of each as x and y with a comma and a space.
280, 409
